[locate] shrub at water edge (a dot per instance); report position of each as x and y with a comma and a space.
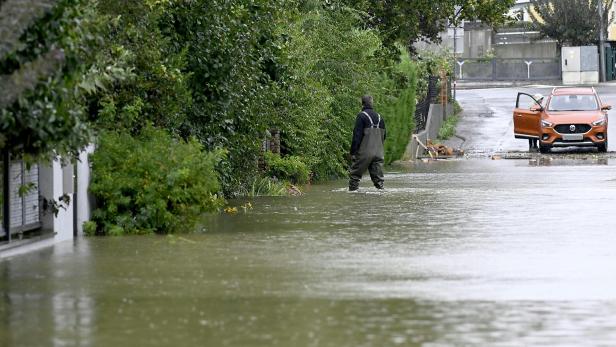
289, 168
153, 183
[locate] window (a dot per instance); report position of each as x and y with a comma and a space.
573, 103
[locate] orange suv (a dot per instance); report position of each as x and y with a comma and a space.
567, 117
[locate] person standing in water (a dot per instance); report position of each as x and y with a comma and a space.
533, 144
367, 148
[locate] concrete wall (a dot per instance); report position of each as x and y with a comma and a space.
54, 180
477, 41
84, 200
52, 187
436, 117
527, 50
508, 69
57, 179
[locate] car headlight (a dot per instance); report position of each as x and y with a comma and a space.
598, 122
546, 124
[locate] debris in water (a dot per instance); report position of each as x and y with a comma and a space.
294, 191
231, 210
247, 206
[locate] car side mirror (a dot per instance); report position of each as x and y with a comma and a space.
606, 107
536, 108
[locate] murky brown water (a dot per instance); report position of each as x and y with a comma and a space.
485, 253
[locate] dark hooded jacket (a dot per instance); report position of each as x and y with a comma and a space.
361, 123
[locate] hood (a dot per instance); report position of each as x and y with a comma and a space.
574, 117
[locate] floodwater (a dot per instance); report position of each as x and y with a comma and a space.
459, 253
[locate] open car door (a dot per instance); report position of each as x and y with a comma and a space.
527, 117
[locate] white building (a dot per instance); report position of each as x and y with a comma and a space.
33, 224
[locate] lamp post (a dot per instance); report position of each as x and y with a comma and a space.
455, 23
455, 49
601, 43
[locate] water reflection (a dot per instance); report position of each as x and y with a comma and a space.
552, 161
493, 253
38, 307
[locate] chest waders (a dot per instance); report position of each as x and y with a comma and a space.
370, 156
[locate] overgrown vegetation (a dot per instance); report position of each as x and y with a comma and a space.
151, 183
290, 168
448, 129
48, 67
170, 86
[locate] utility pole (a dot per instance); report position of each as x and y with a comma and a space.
455, 22
455, 60
601, 43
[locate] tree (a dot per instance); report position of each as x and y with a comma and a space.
47, 55
572, 22
157, 91
412, 21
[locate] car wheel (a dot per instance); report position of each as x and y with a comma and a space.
544, 149
602, 147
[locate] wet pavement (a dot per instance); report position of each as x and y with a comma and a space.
469, 252
487, 120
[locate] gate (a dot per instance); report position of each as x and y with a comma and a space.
610, 63
24, 200
508, 69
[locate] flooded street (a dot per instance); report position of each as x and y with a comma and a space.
469, 252
487, 122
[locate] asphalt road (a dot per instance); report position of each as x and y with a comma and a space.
487, 123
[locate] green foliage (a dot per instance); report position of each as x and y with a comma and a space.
448, 129
156, 91
457, 109
289, 168
411, 21
43, 110
571, 22
151, 183
400, 111
25, 189
89, 228
430, 63
232, 62
264, 186
329, 63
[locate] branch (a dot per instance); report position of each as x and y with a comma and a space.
29, 76
16, 16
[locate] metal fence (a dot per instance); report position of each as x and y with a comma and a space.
423, 106
508, 69
24, 199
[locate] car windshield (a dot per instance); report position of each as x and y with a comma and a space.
586, 102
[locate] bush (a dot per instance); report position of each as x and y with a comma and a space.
89, 228
448, 129
431, 64
151, 183
399, 112
289, 168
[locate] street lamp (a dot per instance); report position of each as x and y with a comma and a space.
455, 23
